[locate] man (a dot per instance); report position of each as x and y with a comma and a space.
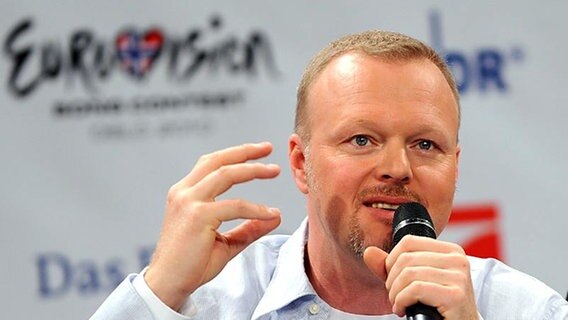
376, 126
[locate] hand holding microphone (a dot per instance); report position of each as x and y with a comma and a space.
413, 219
425, 278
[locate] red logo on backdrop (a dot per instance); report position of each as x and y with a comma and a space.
477, 229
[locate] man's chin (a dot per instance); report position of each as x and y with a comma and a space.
363, 234
386, 245
382, 239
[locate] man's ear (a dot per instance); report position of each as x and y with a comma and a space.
297, 160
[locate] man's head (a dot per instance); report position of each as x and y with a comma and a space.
377, 126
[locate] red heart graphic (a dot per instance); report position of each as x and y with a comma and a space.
137, 52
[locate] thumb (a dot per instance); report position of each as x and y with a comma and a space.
375, 260
249, 231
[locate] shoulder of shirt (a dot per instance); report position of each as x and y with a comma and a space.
501, 288
487, 270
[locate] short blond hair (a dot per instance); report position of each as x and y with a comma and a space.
389, 46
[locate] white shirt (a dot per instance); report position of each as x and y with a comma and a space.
268, 281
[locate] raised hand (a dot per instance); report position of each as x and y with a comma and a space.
191, 251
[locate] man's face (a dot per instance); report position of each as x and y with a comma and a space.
381, 134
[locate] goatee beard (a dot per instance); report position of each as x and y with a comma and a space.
357, 239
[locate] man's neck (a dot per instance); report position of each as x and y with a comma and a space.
344, 282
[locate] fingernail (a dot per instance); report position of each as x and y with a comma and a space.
274, 211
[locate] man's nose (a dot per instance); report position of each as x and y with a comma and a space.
393, 165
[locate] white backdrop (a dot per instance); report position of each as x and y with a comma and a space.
90, 144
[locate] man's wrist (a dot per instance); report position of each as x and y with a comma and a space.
159, 308
168, 295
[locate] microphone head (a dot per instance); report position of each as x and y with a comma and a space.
410, 210
412, 218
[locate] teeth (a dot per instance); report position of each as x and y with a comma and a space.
382, 205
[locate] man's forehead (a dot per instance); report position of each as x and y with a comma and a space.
356, 68
348, 64
356, 71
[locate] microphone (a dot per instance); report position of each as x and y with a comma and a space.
413, 218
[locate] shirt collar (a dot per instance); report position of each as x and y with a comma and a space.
289, 281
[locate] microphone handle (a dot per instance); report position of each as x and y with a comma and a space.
420, 311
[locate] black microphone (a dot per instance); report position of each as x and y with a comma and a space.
412, 218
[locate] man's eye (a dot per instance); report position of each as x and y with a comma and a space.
361, 141
425, 145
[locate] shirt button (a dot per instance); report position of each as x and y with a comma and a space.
314, 308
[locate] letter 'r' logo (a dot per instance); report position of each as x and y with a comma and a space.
477, 229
